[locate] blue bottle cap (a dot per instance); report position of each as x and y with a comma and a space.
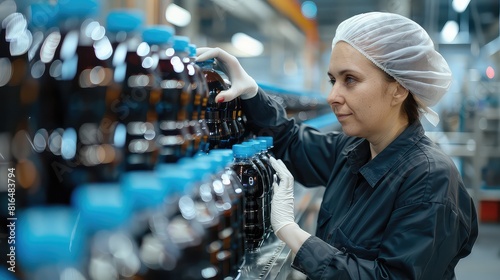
261, 144
241, 150
49, 236
253, 145
158, 34
174, 179
78, 8
216, 163
269, 140
101, 206
192, 50
200, 170
181, 44
42, 15
209, 63
225, 159
227, 152
143, 188
124, 20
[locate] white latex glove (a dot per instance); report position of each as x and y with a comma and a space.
242, 84
282, 209
282, 205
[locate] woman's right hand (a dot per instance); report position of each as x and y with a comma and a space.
241, 83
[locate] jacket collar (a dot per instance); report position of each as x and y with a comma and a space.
358, 154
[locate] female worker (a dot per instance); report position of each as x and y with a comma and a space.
395, 206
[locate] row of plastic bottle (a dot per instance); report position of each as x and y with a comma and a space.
195, 219
126, 166
85, 103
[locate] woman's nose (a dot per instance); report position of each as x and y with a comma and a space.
334, 97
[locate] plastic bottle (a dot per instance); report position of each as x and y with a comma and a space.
104, 213
268, 152
195, 222
134, 84
122, 31
174, 137
124, 25
185, 95
228, 197
253, 188
217, 215
220, 135
228, 111
262, 154
199, 94
91, 145
231, 182
267, 181
152, 203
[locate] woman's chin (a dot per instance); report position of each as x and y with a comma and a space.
350, 131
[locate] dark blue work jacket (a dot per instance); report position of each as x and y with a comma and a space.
403, 215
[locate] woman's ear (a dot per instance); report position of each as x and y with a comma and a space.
399, 94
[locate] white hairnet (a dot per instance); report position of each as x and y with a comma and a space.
404, 50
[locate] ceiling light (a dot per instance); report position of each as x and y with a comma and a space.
247, 44
490, 72
449, 31
460, 5
309, 9
177, 15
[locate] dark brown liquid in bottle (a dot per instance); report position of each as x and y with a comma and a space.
251, 180
171, 109
79, 82
219, 133
267, 183
132, 107
197, 125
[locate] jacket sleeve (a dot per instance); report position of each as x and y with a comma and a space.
416, 246
309, 154
424, 238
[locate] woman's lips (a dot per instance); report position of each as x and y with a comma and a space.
341, 117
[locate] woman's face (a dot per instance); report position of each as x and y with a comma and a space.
361, 95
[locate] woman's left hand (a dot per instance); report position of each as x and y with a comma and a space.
282, 205
241, 83
282, 209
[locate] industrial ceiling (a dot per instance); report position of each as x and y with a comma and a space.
267, 19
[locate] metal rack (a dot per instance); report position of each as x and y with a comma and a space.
478, 140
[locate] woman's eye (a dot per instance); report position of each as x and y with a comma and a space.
331, 81
349, 80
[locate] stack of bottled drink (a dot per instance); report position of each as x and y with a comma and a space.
125, 167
